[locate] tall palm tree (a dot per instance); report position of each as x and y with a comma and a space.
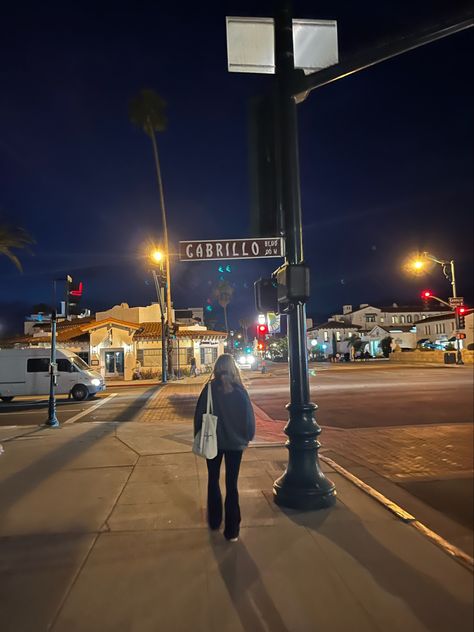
223, 293
13, 238
147, 111
245, 323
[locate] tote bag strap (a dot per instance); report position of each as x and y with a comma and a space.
209, 406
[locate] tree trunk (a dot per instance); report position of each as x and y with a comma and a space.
169, 315
225, 320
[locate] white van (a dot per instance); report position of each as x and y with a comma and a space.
26, 372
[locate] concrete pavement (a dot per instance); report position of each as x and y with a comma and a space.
103, 528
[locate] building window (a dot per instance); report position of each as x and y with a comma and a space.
338, 336
370, 318
443, 330
402, 319
394, 320
185, 355
409, 319
325, 336
150, 357
208, 355
382, 320
452, 326
427, 329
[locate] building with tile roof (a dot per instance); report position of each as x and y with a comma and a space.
115, 342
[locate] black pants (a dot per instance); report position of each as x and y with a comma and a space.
214, 498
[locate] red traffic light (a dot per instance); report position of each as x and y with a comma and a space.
461, 310
262, 329
426, 294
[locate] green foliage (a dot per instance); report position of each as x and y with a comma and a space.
385, 345
280, 349
356, 343
147, 111
13, 238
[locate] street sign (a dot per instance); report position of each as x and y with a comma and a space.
456, 301
212, 249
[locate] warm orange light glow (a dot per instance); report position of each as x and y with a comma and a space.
157, 256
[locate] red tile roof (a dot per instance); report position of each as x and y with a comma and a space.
153, 330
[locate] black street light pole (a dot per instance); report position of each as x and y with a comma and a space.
52, 420
303, 485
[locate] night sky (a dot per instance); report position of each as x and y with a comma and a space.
386, 155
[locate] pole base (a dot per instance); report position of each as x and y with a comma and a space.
52, 423
319, 496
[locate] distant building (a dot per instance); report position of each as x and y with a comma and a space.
371, 323
331, 337
116, 339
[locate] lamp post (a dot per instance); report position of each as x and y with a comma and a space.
157, 257
303, 485
418, 265
52, 421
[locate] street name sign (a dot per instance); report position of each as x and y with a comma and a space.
456, 301
212, 249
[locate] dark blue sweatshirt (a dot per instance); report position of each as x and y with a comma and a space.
235, 416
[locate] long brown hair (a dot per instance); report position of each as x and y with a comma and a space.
226, 373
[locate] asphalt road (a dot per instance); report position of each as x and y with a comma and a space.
116, 404
375, 397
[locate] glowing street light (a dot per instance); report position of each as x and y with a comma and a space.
157, 256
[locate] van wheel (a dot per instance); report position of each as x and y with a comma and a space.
7, 399
80, 392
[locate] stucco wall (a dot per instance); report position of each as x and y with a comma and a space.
434, 357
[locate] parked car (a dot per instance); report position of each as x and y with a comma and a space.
27, 372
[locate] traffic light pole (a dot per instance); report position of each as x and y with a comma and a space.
52, 420
303, 485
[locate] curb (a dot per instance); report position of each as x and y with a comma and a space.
453, 551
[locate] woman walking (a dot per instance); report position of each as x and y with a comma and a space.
235, 428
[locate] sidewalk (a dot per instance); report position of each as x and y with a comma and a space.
103, 528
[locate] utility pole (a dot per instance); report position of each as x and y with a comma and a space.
303, 485
164, 348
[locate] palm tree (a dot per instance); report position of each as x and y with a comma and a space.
147, 111
223, 293
13, 238
245, 323
356, 343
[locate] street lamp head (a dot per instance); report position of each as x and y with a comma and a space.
157, 256
418, 264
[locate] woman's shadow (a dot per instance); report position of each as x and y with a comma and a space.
242, 579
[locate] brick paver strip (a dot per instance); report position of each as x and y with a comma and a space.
400, 454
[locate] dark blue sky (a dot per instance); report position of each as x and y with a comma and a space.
386, 155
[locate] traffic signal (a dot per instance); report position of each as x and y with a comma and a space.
266, 299
460, 317
426, 295
261, 345
73, 296
262, 330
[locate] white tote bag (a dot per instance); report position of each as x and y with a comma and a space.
205, 442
